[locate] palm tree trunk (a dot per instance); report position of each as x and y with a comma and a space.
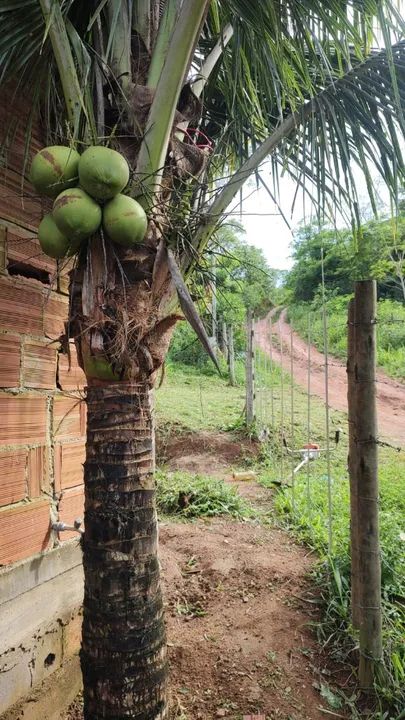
123, 653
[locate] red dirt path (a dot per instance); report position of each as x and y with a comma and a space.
239, 606
390, 394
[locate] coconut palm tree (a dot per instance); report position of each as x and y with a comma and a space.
296, 81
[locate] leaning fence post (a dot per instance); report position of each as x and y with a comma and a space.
231, 356
366, 475
224, 341
250, 364
351, 460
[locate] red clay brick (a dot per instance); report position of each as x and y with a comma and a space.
71, 507
29, 209
39, 365
83, 418
18, 106
22, 419
69, 459
65, 266
67, 418
10, 351
12, 476
21, 306
22, 248
38, 476
3, 251
24, 530
56, 310
72, 378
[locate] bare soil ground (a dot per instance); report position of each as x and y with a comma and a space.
390, 393
253, 650
239, 606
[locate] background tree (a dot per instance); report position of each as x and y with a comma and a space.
244, 281
297, 80
388, 267
305, 277
377, 251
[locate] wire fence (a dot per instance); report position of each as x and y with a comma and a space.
288, 405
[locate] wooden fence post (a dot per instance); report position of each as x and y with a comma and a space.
351, 461
366, 471
214, 340
250, 372
224, 340
231, 356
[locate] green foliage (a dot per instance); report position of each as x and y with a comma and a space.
305, 277
243, 281
309, 522
377, 250
190, 496
390, 329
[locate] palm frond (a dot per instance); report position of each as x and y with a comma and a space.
355, 119
282, 54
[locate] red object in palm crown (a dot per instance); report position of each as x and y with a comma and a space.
195, 136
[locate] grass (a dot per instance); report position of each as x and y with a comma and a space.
198, 401
390, 330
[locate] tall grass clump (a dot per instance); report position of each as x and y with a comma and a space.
307, 517
189, 496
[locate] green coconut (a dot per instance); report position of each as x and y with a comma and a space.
54, 243
54, 169
125, 221
76, 214
103, 172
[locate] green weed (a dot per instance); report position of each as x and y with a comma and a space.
304, 511
191, 496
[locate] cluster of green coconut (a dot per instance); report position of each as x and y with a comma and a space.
87, 191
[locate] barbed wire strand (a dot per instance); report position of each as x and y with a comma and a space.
292, 420
309, 415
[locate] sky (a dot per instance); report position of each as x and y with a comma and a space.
265, 226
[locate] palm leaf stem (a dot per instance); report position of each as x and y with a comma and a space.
55, 27
161, 48
238, 179
119, 42
154, 146
212, 60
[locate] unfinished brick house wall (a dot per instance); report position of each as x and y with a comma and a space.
42, 436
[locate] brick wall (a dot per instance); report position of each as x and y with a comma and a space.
42, 436
42, 416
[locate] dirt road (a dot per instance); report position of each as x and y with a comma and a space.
390, 394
